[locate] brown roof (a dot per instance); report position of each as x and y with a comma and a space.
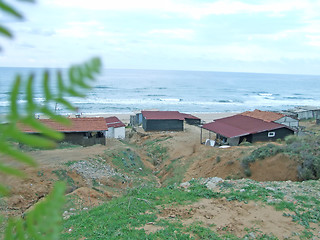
162, 115
239, 125
166, 115
77, 125
263, 115
114, 122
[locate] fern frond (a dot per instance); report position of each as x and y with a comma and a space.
7, 149
5, 31
10, 10
42, 222
73, 86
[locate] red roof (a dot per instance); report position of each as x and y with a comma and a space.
263, 115
239, 125
114, 122
189, 116
166, 115
77, 125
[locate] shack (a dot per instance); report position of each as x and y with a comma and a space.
81, 131
239, 128
192, 120
304, 112
276, 117
162, 121
116, 128
167, 120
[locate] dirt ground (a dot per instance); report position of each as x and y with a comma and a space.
224, 216
203, 161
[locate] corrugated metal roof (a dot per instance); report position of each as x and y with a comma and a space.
263, 115
166, 115
162, 115
114, 122
77, 125
189, 116
239, 125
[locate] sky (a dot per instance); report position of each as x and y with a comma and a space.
267, 36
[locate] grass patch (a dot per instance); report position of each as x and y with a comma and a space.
63, 176
156, 151
130, 162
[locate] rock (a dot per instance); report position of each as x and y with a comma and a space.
212, 182
185, 185
252, 235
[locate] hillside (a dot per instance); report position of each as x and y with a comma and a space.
98, 174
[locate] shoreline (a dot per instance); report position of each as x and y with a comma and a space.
205, 117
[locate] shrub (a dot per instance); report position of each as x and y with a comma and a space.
245, 144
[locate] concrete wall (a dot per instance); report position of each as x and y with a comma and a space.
289, 121
233, 141
85, 139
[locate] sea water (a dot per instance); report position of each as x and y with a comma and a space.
125, 91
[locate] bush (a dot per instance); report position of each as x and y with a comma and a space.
245, 144
290, 139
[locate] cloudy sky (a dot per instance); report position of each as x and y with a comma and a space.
272, 36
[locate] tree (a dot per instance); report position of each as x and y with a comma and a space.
43, 221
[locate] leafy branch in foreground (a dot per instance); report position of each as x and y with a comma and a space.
78, 80
43, 221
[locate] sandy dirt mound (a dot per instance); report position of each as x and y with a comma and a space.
230, 216
277, 168
87, 197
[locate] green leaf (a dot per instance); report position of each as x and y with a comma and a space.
65, 103
74, 93
11, 171
61, 85
3, 191
31, 140
14, 115
55, 117
6, 32
31, 107
10, 10
46, 87
43, 221
21, 157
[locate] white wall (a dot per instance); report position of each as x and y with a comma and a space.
120, 132
110, 132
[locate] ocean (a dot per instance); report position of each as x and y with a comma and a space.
128, 90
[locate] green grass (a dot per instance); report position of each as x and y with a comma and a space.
123, 218
177, 169
63, 176
130, 162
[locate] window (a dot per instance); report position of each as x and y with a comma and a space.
271, 134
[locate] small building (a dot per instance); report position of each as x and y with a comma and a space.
81, 131
239, 128
116, 128
192, 120
273, 117
305, 112
166, 120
